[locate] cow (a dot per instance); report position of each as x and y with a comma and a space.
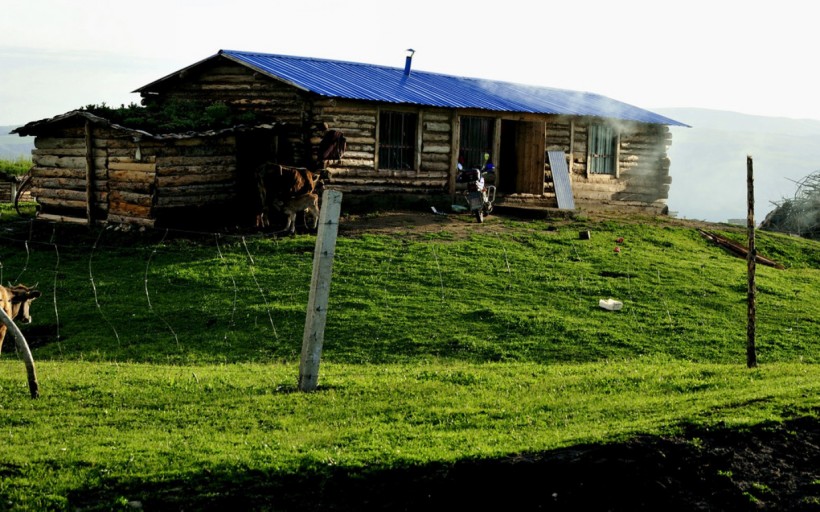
15, 302
306, 203
278, 183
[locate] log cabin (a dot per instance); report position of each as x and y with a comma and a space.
406, 132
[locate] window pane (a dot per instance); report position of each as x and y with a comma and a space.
397, 140
476, 139
601, 149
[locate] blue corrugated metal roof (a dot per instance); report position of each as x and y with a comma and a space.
352, 80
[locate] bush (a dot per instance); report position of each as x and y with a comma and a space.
16, 167
799, 215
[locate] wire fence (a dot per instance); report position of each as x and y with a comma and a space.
201, 297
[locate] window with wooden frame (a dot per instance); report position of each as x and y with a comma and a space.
475, 140
602, 154
397, 140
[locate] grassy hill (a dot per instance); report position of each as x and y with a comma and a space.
168, 360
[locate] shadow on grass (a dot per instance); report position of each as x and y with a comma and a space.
768, 467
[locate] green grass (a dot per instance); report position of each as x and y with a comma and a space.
169, 361
15, 167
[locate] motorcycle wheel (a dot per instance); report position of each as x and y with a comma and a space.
479, 215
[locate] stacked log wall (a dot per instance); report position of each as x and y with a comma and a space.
59, 172
243, 89
357, 170
196, 172
643, 178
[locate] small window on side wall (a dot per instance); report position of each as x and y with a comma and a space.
602, 144
397, 140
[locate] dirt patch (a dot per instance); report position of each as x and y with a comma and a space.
457, 225
768, 467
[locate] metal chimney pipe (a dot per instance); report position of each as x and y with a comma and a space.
408, 61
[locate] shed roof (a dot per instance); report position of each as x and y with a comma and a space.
370, 82
36, 128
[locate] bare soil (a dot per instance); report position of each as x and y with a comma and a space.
769, 467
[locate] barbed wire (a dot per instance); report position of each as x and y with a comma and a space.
258, 287
506, 264
148, 295
94, 287
232, 322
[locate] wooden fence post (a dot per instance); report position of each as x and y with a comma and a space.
22, 346
751, 257
319, 290
89, 173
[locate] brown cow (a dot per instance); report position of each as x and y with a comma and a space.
280, 183
306, 203
15, 302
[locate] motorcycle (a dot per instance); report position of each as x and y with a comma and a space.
479, 197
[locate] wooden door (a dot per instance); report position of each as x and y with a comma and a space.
530, 148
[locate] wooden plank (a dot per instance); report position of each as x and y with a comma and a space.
319, 294
58, 183
130, 166
120, 196
194, 179
51, 202
61, 218
131, 210
131, 176
126, 219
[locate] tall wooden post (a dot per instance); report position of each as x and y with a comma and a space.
751, 295
89, 173
319, 290
22, 347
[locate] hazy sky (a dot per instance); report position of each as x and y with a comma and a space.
745, 56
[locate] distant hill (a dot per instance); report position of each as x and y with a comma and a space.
14, 146
709, 161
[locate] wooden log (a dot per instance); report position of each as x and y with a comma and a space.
53, 172
61, 218
121, 196
126, 219
377, 183
58, 183
129, 166
62, 152
128, 158
66, 162
201, 170
197, 190
131, 176
194, 179
61, 193
51, 202
44, 143
193, 201
128, 209
196, 160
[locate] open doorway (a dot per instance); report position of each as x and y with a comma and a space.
522, 157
